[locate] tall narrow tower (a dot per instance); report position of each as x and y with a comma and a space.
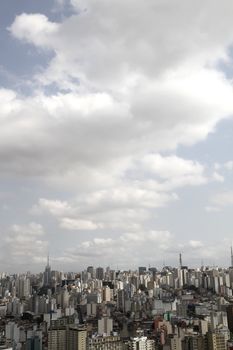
47, 274
48, 260
180, 260
231, 256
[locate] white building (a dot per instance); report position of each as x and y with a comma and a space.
105, 326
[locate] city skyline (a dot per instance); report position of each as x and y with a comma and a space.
173, 309
116, 133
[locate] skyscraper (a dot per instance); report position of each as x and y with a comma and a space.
100, 273
231, 257
180, 260
47, 274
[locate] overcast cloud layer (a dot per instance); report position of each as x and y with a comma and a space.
95, 129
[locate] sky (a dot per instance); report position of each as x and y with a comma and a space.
116, 133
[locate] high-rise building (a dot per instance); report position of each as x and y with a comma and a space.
91, 309
141, 270
176, 343
34, 343
105, 325
76, 338
180, 261
57, 339
90, 270
229, 310
100, 273
195, 342
23, 287
231, 257
121, 297
107, 294
216, 341
47, 275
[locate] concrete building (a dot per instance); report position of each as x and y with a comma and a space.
176, 343
216, 341
140, 343
105, 343
76, 338
57, 339
105, 326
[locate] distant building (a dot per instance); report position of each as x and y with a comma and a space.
141, 270
47, 280
90, 270
230, 317
100, 273
216, 341
76, 338
34, 344
105, 326
105, 343
140, 343
57, 339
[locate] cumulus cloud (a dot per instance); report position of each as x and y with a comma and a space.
211, 209
130, 202
218, 177
161, 82
126, 207
229, 165
123, 250
224, 166
29, 27
195, 244
23, 245
171, 166
223, 199
126, 84
133, 87
147, 38
28, 231
75, 224
54, 207
176, 171
220, 201
128, 250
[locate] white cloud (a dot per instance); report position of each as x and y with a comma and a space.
177, 172
224, 166
128, 203
141, 248
210, 209
76, 224
54, 207
126, 85
195, 244
126, 207
229, 165
24, 245
142, 64
147, 38
168, 167
122, 104
31, 230
218, 177
124, 250
223, 199
33, 28
131, 91
219, 201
